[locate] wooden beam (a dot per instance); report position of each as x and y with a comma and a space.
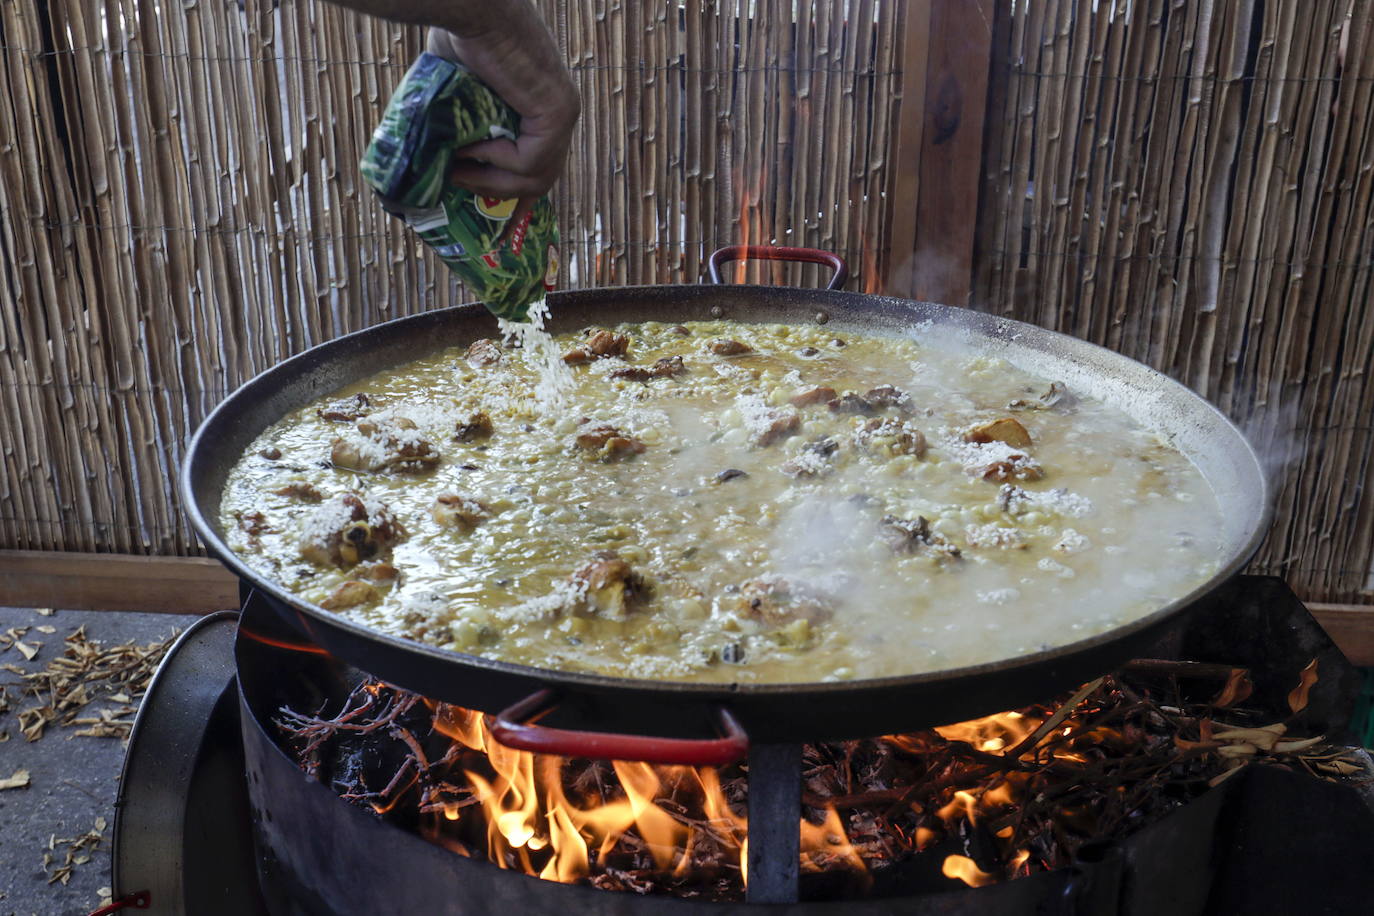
904, 158
960, 55
115, 582
1351, 628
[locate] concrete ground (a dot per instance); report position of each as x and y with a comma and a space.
72, 779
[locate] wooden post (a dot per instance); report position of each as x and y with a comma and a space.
937, 149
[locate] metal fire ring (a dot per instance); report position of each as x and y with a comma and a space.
179, 826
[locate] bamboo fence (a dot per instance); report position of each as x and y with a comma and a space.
182, 208
1190, 183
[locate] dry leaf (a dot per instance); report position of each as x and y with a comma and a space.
19, 780
1297, 699
1289, 747
28, 651
45, 612
1238, 688
46, 629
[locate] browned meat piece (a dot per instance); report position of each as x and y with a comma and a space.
912, 535
347, 410
730, 474
668, 367
390, 446
609, 443
814, 459
1058, 396
775, 600
351, 594
459, 511
820, 395
889, 396
723, 346
612, 587
306, 492
680, 330
1017, 467
807, 352
344, 531
484, 352
890, 437
477, 426
379, 572
271, 453
252, 523
1007, 429
602, 344
852, 403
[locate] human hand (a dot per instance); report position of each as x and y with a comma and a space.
538, 87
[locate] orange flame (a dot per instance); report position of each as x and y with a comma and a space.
967, 871
533, 826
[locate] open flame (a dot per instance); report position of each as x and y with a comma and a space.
534, 825
680, 815
984, 800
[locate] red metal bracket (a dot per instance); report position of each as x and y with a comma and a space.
140, 900
779, 253
512, 727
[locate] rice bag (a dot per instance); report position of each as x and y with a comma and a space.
438, 109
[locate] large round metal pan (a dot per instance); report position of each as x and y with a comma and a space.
768, 712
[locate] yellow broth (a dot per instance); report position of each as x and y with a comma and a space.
855, 557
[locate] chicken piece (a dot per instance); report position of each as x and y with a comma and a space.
820, 395
302, 490
668, 367
609, 443
476, 426
602, 344
851, 403
379, 572
765, 424
886, 436
776, 601
252, 523
914, 535
730, 474
483, 352
344, 531
347, 410
1015, 466
456, 510
271, 453
813, 460
1058, 396
393, 445
889, 396
1008, 430
351, 594
611, 586
724, 346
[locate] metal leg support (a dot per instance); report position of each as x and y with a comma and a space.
774, 822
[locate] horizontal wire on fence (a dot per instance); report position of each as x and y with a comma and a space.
289, 232
1114, 257
389, 63
1187, 77
96, 525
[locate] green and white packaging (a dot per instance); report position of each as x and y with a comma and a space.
438, 109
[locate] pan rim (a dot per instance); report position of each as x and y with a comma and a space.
997, 326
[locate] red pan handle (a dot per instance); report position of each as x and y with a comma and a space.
513, 729
779, 253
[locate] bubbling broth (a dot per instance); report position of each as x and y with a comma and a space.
724, 502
